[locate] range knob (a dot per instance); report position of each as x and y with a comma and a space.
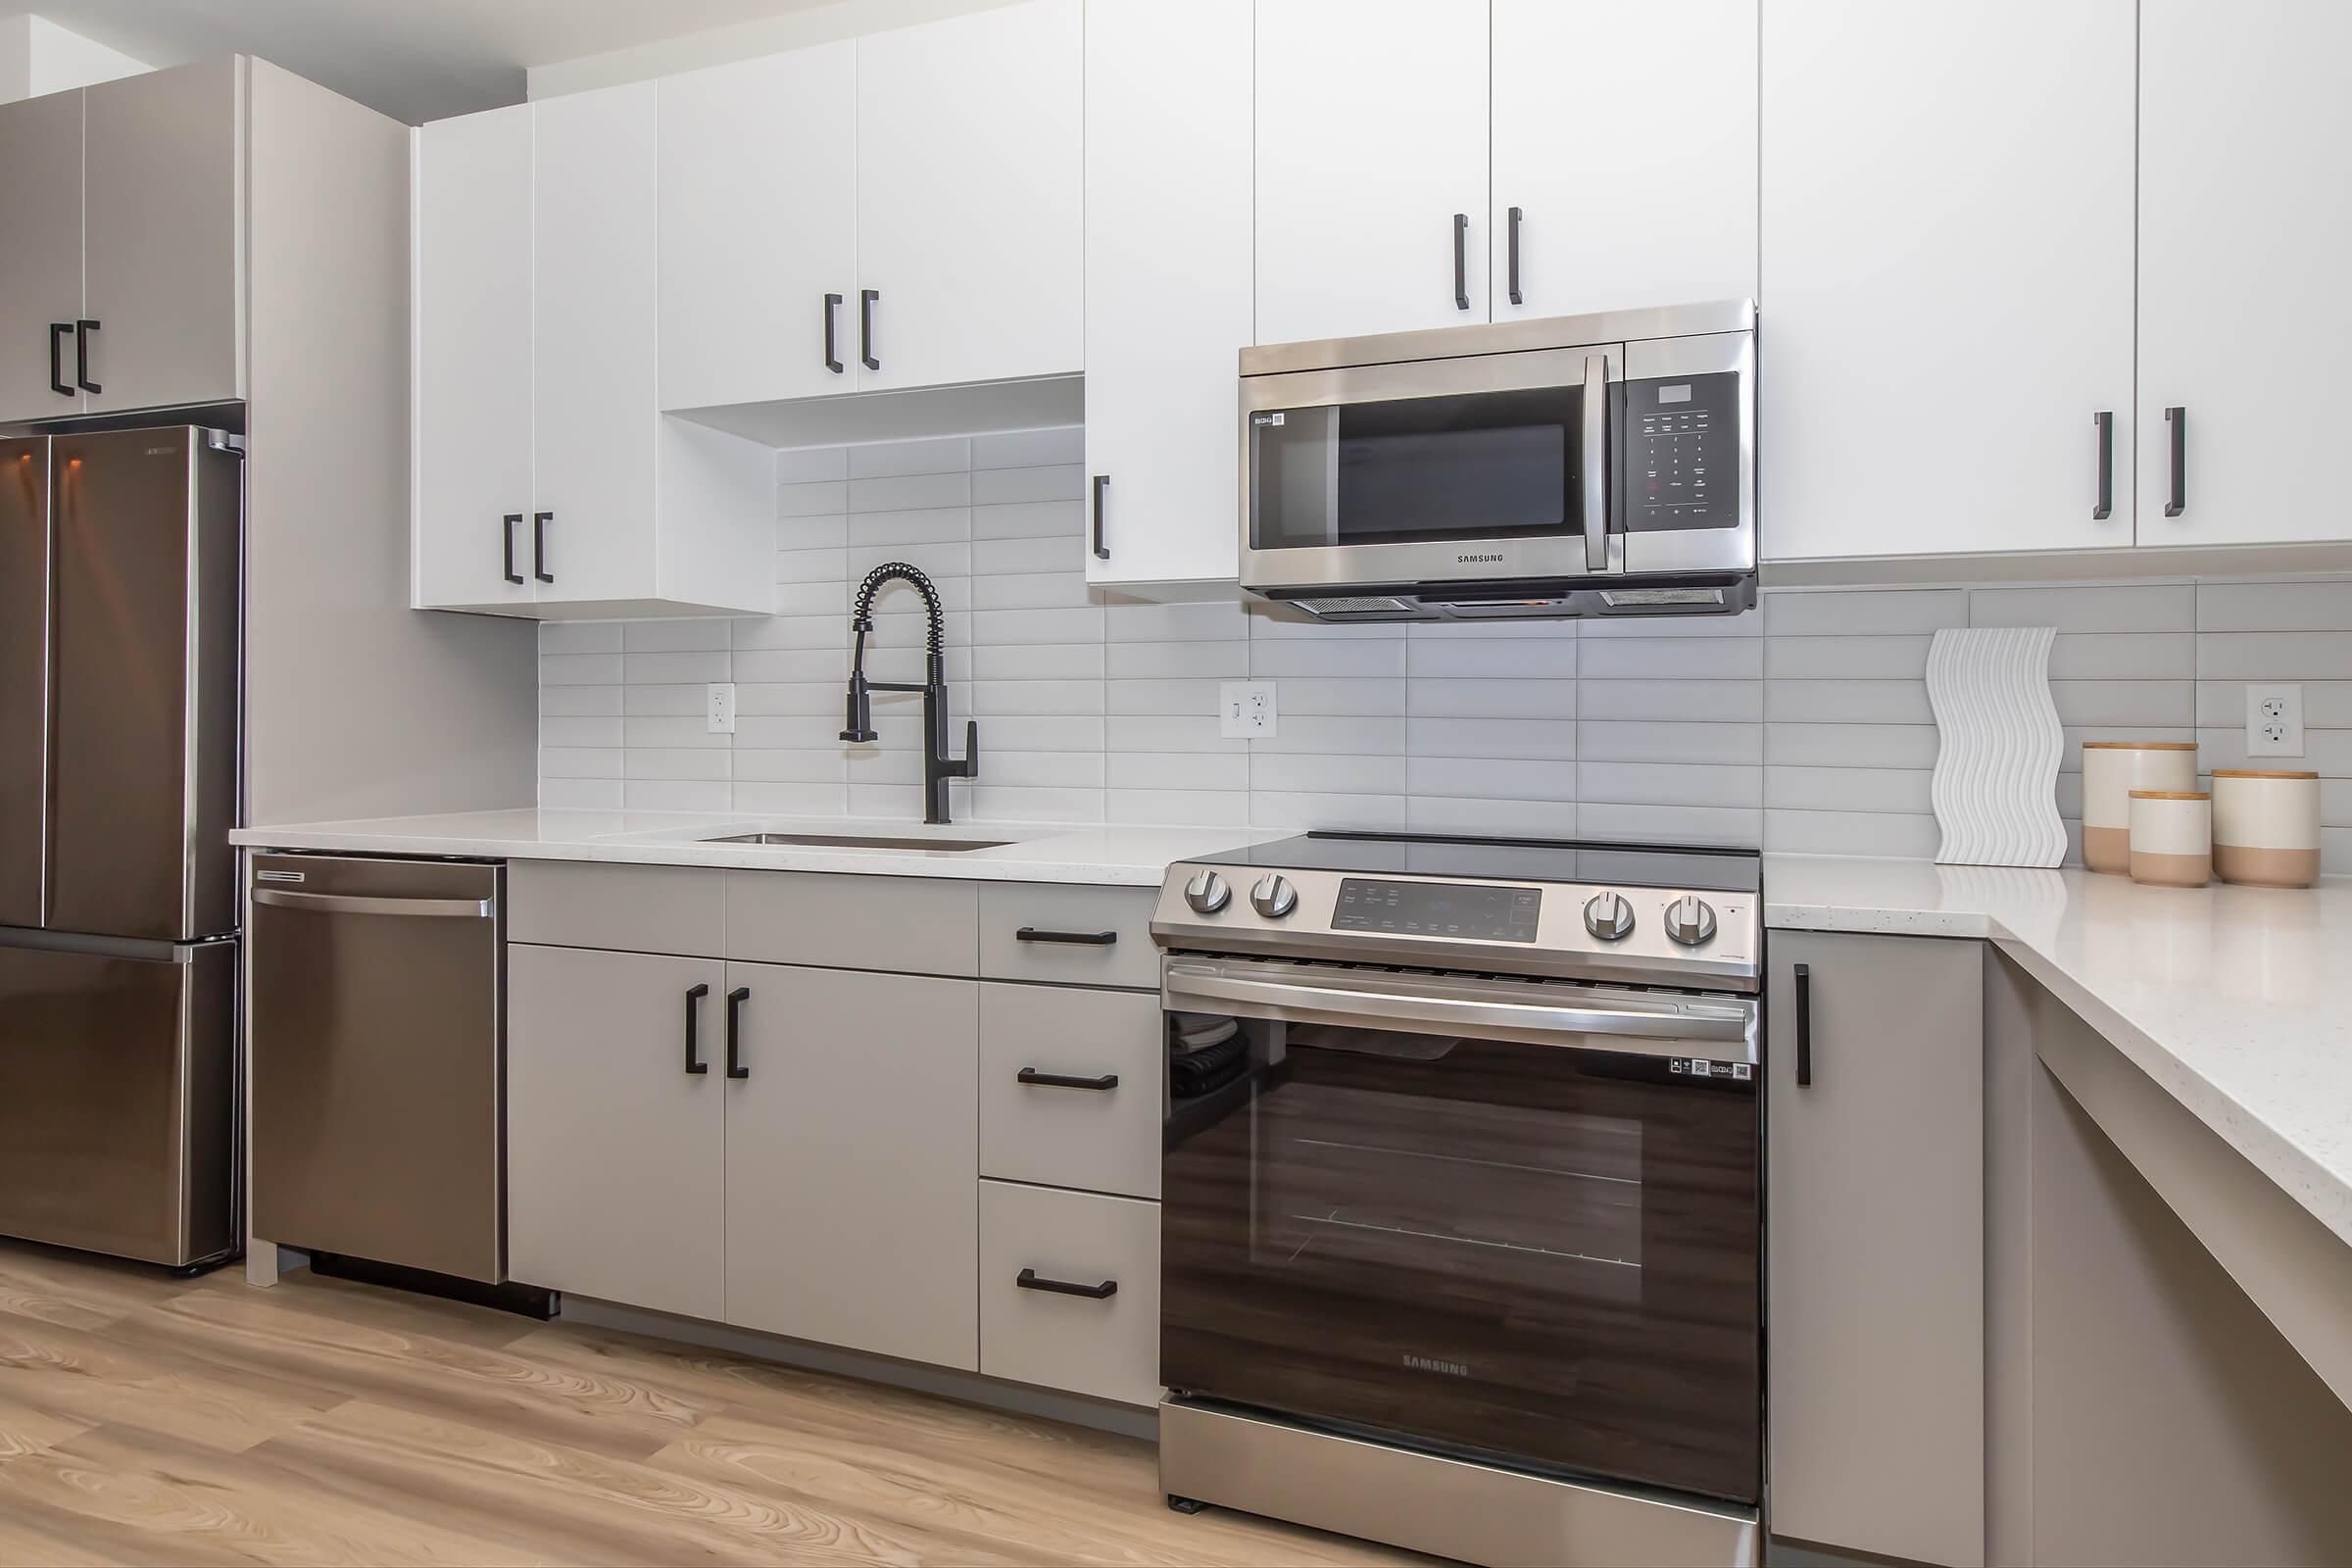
1608, 916
1690, 920
1274, 897
1206, 893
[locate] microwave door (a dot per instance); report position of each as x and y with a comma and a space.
1475, 470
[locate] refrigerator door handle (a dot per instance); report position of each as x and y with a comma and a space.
349, 903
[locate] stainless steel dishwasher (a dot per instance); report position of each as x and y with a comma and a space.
379, 1036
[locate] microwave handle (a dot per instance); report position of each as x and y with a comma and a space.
1597, 462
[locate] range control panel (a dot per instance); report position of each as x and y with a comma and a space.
1439, 910
1682, 453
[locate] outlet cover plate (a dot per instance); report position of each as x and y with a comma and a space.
719, 706
1246, 709
2273, 720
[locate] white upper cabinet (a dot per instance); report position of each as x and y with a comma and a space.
472, 288
2245, 219
40, 255
1625, 141
1372, 190
541, 452
759, 195
970, 198
121, 259
1167, 284
595, 259
1947, 276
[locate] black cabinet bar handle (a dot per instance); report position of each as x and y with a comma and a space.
735, 1001
1101, 484
1081, 939
2176, 419
865, 328
1062, 1080
693, 1011
539, 522
1804, 1025
513, 521
1031, 1280
1516, 214
2106, 507
59, 331
832, 304
1461, 261
81, 356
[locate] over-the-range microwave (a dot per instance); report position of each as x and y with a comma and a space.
1574, 465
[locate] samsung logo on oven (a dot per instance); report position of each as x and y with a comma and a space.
1423, 1364
1473, 561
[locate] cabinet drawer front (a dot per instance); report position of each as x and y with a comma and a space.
1105, 1138
1107, 1346
637, 909
1065, 926
909, 925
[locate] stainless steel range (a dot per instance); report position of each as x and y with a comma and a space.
1461, 1220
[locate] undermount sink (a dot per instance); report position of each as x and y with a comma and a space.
852, 841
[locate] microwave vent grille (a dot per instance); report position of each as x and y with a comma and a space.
1328, 608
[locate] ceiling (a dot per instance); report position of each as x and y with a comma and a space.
414, 60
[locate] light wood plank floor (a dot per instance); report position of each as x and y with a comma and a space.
145, 1419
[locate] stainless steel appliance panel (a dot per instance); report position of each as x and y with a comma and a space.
1445, 1506
24, 547
116, 1113
143, 764
378, 1071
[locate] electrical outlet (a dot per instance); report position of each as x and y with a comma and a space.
1246, 709
719, 706
2274, 721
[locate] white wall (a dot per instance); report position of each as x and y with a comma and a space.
37, 55
793, 30
1803, 725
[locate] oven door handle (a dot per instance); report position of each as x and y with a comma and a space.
1630, 1023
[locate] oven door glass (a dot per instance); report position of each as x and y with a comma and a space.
1459, 467
1524, 1247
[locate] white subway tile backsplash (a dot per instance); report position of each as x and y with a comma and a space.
1802, 724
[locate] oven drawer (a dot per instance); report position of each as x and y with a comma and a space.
1084, 936
1085, 1132
1082, 1338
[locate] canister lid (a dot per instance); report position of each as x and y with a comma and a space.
2256, 772
2170, 794
2140, 746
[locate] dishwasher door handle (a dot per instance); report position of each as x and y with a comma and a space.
352, 903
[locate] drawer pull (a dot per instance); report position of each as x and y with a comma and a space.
1031, 1280
1059, 1080
1075, 939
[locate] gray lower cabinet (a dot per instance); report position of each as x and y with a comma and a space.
851, 1135
1875, 1245
1069, 1291
615, 1171
1072, 1086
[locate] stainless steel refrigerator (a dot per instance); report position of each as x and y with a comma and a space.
120, 594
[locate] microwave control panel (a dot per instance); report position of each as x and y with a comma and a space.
1682, 453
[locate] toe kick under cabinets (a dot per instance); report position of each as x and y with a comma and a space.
911, 1117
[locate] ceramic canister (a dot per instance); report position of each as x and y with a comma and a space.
2172, 837
2266, 827
2110, 771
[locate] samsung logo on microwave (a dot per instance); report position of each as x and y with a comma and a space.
1423, 1364
1476, 560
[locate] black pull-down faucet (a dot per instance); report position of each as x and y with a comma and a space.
938, 765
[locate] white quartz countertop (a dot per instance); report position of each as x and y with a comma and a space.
1127, 857
2236, 1000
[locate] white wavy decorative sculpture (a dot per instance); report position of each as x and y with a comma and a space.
1998, 742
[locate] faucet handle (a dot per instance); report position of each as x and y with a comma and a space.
969, 767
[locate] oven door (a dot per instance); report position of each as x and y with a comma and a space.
1470, 469
1516, 1219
